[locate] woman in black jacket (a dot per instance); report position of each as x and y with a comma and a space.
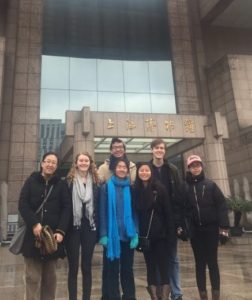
209, 219
40, 269
83, 182
150, 196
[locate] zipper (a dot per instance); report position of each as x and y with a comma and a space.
42, 210
197, 201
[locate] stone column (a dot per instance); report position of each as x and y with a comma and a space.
83, 142
21, 97
215, 160
2, 54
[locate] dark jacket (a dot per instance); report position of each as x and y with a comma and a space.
96, 192
56, 211
205, 202
169, 177
153, 197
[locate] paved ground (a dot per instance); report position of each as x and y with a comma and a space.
235, 264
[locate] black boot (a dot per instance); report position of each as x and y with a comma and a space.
203, 295
215, 295
152, 290
165, 292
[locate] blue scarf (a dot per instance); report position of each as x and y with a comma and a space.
114, 249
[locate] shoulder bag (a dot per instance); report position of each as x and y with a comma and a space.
18, 238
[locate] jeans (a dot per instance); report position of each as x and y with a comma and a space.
85, 239
40, 279
123, 268
174, 272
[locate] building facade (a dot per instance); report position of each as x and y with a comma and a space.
211, 58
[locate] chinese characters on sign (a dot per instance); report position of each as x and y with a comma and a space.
110, 124
169, 125
130, 124
190, 126
151, 123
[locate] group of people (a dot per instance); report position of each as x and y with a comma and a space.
119, 205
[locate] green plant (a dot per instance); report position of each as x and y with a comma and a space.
239, 204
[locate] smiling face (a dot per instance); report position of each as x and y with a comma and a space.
117, 150
144, 173
49, 165
158, 151
121, 170
83, 163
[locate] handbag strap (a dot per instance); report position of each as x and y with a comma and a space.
45, 199
151, 217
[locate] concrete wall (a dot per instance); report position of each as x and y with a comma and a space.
206, 6
225, 86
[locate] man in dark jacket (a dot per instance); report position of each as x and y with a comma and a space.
167, 173
40, 268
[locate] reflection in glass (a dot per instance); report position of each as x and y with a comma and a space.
163, 104
111, 102
53, 104
137, 103
136, 76
55, 72
110, 75
161, 79
83, 74
78, 99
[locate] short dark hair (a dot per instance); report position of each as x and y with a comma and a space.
156, 142
50, 153
116, 140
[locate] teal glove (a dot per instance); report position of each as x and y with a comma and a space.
134, 242
104, 241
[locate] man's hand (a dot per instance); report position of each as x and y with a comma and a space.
58, 237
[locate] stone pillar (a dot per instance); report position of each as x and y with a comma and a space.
3, 211
2, 54
21, 97
83, 142
215, 160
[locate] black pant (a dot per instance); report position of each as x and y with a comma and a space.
112, 269
205, 249
156, 260
86, 239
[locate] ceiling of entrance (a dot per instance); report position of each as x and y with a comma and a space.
238, 14
133, 145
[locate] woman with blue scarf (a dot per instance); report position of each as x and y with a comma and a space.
118, 233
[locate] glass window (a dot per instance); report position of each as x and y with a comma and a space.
111, 102
138, 102
78, 99
163, 104
83, 74
136, 76
55, 72
54, 103
110, 75
161, 79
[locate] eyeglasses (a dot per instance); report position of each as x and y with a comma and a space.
117, 147
50, 162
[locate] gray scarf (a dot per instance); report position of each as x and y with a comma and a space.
83, 194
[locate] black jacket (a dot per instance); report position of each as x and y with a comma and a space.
168, 175
205, 203
55, 213
154, 197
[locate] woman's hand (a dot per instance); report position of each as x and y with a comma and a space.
37, 230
